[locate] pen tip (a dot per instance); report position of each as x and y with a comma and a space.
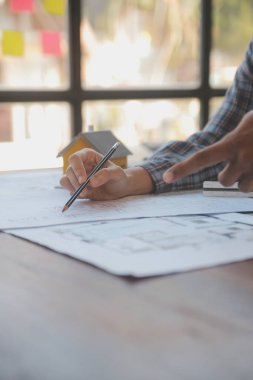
65, 208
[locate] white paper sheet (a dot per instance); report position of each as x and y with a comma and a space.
30, 199
237, 217
148, 247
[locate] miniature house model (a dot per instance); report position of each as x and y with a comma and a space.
101, 141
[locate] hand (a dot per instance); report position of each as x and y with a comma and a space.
110, 182
236, 148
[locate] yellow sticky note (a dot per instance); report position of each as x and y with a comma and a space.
56, 7
13, 43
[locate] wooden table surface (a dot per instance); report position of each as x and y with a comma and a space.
64, 319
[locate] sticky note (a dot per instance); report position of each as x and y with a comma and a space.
22, 5
51, 43
12, 43
57, 7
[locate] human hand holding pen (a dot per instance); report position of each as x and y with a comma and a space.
110, 182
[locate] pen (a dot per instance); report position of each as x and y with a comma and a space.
94, 171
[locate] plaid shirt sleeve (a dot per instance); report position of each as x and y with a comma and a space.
237, 102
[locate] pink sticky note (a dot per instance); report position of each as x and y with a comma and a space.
51, 43
22, 5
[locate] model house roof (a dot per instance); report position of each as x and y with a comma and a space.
100, 141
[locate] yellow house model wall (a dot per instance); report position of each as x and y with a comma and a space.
120, 161
80, 144
77, 145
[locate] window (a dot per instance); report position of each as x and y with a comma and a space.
140, 44
149, 70
231, 32
34, 46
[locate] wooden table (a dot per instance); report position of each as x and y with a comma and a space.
63, 319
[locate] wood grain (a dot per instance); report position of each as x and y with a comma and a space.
63, 319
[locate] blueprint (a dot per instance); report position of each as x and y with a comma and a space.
151, 246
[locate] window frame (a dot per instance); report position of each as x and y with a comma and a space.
75, 95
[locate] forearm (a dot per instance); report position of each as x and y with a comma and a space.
139, 181
238, 101
159, 164
177, 151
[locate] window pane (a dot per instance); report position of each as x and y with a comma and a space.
144, 125
31, 135
232, 31
33, 45
140, 43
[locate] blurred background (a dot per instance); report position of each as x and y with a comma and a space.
148, 70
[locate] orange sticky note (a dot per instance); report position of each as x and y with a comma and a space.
57, 7
22, 5
13, 43
51, 43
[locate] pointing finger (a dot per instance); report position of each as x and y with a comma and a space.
207, 157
